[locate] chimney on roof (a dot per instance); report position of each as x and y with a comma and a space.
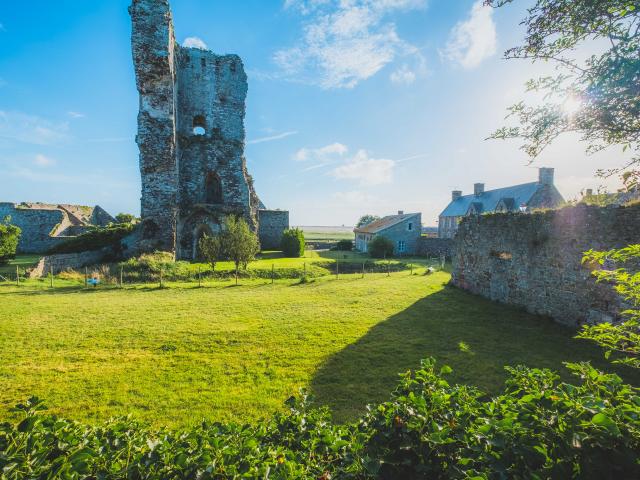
545, 176
400, 212
478, 189
455, 194
589, 192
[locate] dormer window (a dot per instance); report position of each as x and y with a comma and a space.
410, 226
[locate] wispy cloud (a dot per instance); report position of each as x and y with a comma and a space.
344, 42
43, 161
403, 76
322, 154
21, 127
73, 114
194, 42
366, 170
271, 138
474, 40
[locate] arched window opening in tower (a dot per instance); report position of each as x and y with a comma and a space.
213, 188
199, 125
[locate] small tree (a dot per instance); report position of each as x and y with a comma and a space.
239, 243
344, 245
125, 218
366, 220
211, 249
380, 247
9, 238
292, 243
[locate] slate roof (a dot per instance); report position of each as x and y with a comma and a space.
384, 223
487, 201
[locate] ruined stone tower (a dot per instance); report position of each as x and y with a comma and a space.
191, 137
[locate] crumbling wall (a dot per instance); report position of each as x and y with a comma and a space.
37, 225
535, 260
272, 225
153, 46
65, 261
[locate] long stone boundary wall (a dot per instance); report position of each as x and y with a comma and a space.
272, 224
535, 260
434, 247
65, 261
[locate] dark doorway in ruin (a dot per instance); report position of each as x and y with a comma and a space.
213, 188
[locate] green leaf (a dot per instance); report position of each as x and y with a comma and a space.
602, 420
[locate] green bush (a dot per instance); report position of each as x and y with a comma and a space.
292, 243
380, 247
344, 245
95, 239
537, 428
9, 238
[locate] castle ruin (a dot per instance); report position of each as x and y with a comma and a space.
191, 138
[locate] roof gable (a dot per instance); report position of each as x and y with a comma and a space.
488, 200
384, 223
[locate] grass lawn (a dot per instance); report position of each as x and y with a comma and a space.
322, 234
176, 355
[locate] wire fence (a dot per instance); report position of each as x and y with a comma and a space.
121, 275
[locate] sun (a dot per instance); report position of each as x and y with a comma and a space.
572, 105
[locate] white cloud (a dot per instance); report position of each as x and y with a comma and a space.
324, 155
73, 114
368, 171
194, 42
43, 161
18, 126
344, 41
403, 76
271, 138
473, 40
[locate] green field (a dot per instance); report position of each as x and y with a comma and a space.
325, 234
176, 355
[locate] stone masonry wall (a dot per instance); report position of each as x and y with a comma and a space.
59, 263
535, 260
36, 225
434, 247
272, 224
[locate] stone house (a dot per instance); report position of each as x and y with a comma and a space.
403, 229
518, 198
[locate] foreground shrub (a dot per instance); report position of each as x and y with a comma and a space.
344, 245
9, 238
95, 239
538, 428
292, 243
380, 247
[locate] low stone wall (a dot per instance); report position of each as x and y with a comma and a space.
535, 260
272, 223
65, 261
434, 247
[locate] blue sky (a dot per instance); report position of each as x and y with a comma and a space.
354, 106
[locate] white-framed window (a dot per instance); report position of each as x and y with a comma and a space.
402, 246
410, 226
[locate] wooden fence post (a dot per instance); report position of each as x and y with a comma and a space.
86, 277
273, 272
121, 283
337, 268
17, 276
160, 276
411, 268
362, 269
388, 268
51, 275
199, 281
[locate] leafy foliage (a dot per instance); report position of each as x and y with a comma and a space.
380, 247
211, 249
537, 428
95, 239
344, 245
9, 238
622, 339
292, 243
239, 243
125, 218
597, 97
366, 220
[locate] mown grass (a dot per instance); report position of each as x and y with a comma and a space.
176, 355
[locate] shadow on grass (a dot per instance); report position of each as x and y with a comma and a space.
474, 336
